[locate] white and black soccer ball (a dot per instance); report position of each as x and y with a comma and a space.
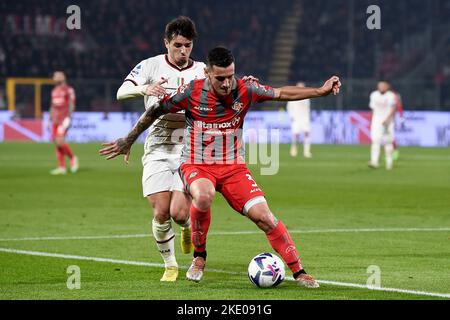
266, 270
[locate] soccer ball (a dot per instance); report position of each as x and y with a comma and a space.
266, 270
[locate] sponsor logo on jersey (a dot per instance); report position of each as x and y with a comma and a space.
200, 108
237, 106
136, 70
255, 190
220, 125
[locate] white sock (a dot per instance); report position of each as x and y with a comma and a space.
306, 146
165, 239
375, 153
389, 150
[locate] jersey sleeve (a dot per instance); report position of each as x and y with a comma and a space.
392, 101
72, 97
139, 75
259, 92
371, 101
178, 100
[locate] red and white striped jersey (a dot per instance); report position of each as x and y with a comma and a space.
159, 143
213, 132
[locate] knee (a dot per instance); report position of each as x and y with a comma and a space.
203, 199
160, 211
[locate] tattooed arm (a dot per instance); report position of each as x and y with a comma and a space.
123, 145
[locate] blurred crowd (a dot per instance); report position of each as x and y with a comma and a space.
116, 35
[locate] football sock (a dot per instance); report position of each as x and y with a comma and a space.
296, 274
389, 150
200, 254
60, 157
67, 151
281, 242
375, 153
164, 237
199, 225
307, 145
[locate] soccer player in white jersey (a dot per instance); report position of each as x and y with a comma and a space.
299, 113
383, 105
161, 183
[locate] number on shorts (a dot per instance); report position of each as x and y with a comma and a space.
249, 177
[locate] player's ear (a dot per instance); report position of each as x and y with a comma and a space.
166, 43
206, 72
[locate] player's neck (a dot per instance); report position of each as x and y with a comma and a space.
185, 65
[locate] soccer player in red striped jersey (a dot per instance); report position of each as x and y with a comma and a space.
213, 159
62, 106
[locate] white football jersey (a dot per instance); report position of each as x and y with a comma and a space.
159, 143
381, 104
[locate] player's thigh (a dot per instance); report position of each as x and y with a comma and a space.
197, 180
156, 177
389, 134
295, 127
240, 188
376, 132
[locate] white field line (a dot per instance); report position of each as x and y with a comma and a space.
231, 233
160, 265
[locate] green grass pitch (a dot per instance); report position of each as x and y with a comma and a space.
344, 217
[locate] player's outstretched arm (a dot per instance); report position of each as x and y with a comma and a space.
123, 145
129, 90
291, 93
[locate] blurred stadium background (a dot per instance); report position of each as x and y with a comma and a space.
280, 42
283, 43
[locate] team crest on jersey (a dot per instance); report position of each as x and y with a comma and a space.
237, 106
193, 174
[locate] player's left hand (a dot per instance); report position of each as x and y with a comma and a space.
332, 85
118, 147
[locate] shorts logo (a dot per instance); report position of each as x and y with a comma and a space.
237, 106
193, 174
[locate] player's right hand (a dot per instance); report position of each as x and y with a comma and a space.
332, 85
113, 149
156, 89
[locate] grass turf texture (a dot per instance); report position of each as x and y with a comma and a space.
334, 190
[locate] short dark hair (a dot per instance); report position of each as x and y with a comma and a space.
219, 56
181, 26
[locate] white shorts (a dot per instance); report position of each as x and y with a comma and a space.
161, 175
300, 125
379, 132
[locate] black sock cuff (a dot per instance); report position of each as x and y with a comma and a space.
200, 254
299, 273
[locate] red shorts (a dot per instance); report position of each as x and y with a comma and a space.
58, 130
233, 181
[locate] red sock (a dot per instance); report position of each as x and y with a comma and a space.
199, 224
60, 157
67, 150
281, 242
